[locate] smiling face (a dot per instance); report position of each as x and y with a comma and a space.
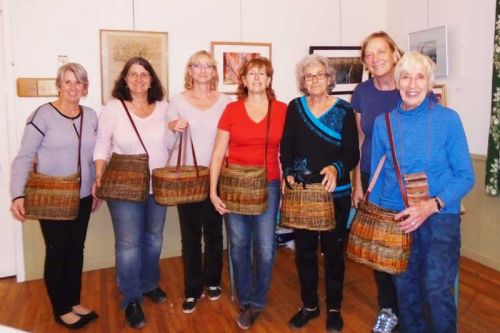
379, 58
413, 85
71, 89
202, 70
256, 80
316, 79
138, 79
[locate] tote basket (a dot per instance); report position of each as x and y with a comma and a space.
51, 197
376, 240
307, 206
126, 177
181, 184
244, 189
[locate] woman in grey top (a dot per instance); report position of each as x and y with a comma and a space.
51, 137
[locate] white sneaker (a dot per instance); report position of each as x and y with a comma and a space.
386, 321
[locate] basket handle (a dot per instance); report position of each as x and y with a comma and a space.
179, 154
395, 160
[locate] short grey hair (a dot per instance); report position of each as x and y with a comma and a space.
78, 70
310, 60
409, 60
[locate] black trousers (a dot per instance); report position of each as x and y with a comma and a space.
197, 219
332, 245
64, 243
386, 291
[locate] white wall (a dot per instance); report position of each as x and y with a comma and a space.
41, 30
470, 54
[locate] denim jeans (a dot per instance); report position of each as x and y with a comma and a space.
427, 283
254, 234
138, 230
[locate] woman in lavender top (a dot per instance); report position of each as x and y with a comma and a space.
51, 138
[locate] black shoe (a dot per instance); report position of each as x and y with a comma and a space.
189, 305
156, 295
134, 315
74, 326
334, 321
89, 317
214, 292
302, 317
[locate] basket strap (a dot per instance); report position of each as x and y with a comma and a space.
395, 160
375, 177
80, 146
179, 153
268, 125
133, 125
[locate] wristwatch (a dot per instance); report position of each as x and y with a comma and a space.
438, 205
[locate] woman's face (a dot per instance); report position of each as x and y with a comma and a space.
413, 86
71, 89
201, 70
379, 59
138, 79
256, 80
316, 80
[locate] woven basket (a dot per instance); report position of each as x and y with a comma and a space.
244, 189
309, 208
376, 240
51, 197
172, 186
126, 177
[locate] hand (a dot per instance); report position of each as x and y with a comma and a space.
95, 186
96, 203
357, 196
218, 204
330, 179
291, 180
415, 216
17, 208
178, 125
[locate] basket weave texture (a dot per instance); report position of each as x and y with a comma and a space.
308, 208
52, 197
243, 189
376, 240
172, 186
126, 177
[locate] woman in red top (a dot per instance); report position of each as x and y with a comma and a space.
242, 132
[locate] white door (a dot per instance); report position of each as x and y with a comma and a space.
7, 244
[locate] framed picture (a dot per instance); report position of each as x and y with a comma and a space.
118, 46
347, 62
433, 43
439, 91
230, 56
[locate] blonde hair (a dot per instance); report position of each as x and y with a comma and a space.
409, 60
188, 79
390, 42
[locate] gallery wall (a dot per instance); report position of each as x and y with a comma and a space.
39, 31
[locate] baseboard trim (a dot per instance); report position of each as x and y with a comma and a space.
490, 262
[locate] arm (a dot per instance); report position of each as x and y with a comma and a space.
378, 150
287, 144
358, 193
218, 154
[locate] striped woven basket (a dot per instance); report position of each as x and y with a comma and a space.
309, 208
376, 240
244, 189
126, 177
51, 197
174, 186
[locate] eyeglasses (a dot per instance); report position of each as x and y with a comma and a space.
319, 76
199, 67
143, 75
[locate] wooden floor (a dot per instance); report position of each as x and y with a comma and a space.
26, 306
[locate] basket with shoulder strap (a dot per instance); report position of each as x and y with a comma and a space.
126, 177
243, 189
54, 197
375, 238
174, 185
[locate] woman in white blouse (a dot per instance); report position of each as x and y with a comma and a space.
199, 107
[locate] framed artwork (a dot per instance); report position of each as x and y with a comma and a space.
433, 43
439, 91
347, 62
229, 57
118, 46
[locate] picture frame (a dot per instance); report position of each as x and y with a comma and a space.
118, 46
439, 91
229, 57
433, 43
347, 62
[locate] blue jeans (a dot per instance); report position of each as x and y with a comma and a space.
427, 283
254, 234
138, 230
